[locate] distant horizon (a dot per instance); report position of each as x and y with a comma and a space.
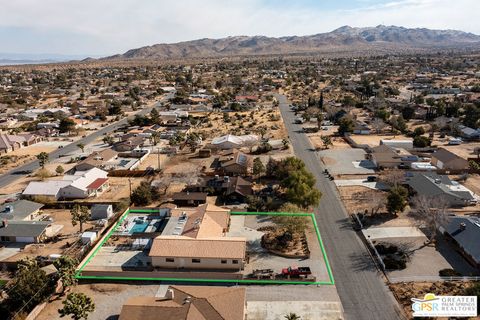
26, 58
108, 27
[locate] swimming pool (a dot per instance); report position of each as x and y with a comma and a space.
139, 227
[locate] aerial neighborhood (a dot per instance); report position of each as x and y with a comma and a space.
232, 189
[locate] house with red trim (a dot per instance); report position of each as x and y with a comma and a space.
80, 185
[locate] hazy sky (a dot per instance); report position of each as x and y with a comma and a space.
103, 27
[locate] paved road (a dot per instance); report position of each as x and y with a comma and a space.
361, 289
10, 177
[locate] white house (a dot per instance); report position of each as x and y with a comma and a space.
82, 184
230, 141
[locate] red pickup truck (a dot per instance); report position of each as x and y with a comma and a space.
296, 271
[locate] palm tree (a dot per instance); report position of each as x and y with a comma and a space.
292, 316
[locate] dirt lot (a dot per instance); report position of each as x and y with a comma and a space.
464, 150
338, 142
405, 291
152, 161
373, 140
359, 199
244, 123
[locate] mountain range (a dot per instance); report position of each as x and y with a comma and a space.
345, 39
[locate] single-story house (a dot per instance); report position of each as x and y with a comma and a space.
19, 210
230, 141
465, 233
469, 133
404, 144
10, 142
361, 128
96, 160
384, 156
234, 163
444, 159
23, 231
101, 211
216, 253
188, 303
81, 184
234, 189
187, 199
129, 144
431, 184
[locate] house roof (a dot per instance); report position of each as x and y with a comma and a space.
97, 183
202, 196
467, 236
432, 184
45, 188
240, 186
98, 158
208, 248
445, 156
238, 158
24, 228
189, 303
385, 153
20, 209
206, 221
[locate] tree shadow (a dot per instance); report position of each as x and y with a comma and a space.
362, 261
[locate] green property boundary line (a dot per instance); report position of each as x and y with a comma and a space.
331, 280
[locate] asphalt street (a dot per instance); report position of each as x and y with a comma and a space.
10, 176
362, 291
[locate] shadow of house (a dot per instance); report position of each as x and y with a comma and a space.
189, 199
464, 233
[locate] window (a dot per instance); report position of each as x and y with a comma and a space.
235, 261
170, 260
224, 261
195, 260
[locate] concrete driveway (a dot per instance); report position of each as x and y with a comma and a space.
346, 161
361, 183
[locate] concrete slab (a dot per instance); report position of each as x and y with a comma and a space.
306, 310
393, 232
8, 252
346, 161
362, 183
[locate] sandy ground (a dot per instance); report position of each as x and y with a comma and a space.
373, 140
464, 150
338, 142
359, 199
152, 161
405, 291
244, 124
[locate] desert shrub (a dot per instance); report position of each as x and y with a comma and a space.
448, 273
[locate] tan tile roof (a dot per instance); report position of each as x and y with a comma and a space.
206, 303
215, 248
213, 221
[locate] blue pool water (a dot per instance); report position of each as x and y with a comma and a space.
139, 227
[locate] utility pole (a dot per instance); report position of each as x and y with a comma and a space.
158, 159
130, 188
